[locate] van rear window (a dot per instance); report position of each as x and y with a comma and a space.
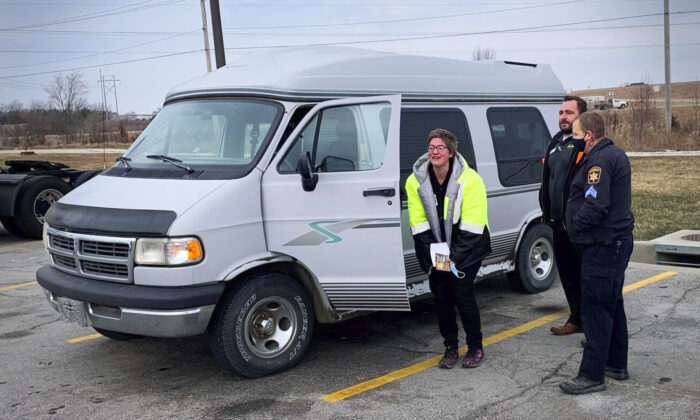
520, 138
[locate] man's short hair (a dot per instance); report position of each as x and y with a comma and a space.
449, 138
580, 103
593, 122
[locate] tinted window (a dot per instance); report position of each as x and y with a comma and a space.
417, 123
520, 138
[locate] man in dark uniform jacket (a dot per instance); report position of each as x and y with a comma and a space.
599, 220
560, 162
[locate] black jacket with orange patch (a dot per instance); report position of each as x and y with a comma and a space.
570, 150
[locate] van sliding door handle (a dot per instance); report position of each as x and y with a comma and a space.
382, 192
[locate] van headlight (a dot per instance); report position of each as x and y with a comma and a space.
168, 251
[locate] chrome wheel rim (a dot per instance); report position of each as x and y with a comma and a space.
541, 259
270, 327
43, 201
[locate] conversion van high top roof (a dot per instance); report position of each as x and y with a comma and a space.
268, 195
327, 72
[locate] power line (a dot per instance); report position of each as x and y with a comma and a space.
195, 33
92, 55
538, 5
87, 32
512, 9
494, 31
360, 42
101, 65
109, 12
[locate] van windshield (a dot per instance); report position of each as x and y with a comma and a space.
206, 134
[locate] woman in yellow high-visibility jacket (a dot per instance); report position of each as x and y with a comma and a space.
447, 203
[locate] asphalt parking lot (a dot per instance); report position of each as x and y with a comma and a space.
378, 366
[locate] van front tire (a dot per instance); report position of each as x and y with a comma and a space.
262, 326
535, 267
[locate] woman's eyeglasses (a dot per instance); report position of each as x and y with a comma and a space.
440, 148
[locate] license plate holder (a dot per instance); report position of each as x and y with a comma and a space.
73, 311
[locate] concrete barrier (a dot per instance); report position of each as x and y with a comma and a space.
644, 252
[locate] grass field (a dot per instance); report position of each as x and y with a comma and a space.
74, 160
665, 190
665, 195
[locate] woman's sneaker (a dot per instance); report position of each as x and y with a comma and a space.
473, 358
450, 359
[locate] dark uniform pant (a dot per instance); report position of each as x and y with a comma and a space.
451, 292
568, 258
602, 307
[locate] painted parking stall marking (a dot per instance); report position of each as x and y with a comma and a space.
420, 366
17, 286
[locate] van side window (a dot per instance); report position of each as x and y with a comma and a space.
417, 123
520, 138
342, 139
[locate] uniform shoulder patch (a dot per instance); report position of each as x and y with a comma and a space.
594, 174
570, 146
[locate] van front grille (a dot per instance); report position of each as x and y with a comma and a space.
96, 257
61, 243
104, 248
62, 261
105, 269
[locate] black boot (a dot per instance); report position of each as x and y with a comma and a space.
581, 385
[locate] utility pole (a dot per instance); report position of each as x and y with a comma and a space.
206, 35
667, 65
104, 103
104, 118
218, 35
106, 90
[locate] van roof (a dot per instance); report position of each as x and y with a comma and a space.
318, 73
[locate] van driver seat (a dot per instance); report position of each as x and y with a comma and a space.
346, 145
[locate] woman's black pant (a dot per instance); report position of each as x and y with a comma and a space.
451, 292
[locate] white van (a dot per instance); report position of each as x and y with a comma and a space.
268, 195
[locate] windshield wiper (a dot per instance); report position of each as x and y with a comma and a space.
125, 160
176, 162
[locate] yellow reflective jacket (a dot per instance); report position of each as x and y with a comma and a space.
465, 207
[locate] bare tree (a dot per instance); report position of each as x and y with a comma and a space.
67, 94
483, 54
14, 112
37, 124
644, 113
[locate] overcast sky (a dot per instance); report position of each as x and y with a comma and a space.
150, 46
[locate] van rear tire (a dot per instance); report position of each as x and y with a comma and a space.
535, 266
262, 326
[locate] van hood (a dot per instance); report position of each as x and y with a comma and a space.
128, 206
141, 193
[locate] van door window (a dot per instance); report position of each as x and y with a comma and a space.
520, 138
342, 139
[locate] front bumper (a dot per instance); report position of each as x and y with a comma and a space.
132, 309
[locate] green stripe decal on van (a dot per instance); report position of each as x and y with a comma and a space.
330, 232
334, 238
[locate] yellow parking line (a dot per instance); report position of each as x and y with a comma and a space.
650, 280
420, 366
22, 245
84, 338
17, 286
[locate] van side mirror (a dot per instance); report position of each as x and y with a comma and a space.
308, 178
